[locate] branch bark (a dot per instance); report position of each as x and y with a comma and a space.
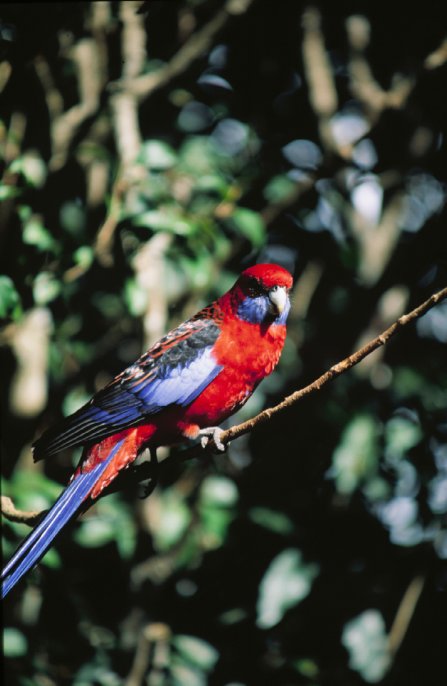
335, 370
10, 512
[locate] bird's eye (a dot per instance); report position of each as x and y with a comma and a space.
253, 288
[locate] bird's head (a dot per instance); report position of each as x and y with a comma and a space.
261, 294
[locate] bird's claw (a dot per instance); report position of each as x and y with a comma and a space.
147, 486
212, 433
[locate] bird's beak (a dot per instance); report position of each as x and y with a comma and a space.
278, 300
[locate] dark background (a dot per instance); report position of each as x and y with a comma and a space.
314, 551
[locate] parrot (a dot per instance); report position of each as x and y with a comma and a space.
179, 390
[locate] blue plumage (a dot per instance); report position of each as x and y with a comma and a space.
65, 508
174, 372
256, 310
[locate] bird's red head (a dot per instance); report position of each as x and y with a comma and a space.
269, 275
260, 295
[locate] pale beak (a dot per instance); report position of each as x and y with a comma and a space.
278, 300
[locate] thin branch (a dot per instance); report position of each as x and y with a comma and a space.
10, 512
336, 370
319, 75
405, 613
198, 43
266, 415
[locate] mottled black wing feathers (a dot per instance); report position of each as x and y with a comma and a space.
174, 371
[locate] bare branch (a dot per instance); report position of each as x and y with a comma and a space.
198, 43
10, 512
405, 613
322, 91
336, 370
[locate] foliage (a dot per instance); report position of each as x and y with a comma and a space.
313, 138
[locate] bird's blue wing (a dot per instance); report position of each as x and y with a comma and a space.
174, 372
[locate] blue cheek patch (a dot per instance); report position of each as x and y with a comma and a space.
257, 311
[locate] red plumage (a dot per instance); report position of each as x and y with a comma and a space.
194, 378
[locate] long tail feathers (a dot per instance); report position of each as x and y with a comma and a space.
65, 508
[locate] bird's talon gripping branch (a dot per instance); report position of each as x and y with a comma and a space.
212, 433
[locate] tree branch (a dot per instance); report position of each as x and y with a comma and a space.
143, 86
10, 512
335, 370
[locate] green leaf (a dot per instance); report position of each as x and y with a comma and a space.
111, 523
135, 297
366, 641
306, 667
218, 497
219, 491
75, 399
163, 220
32, 490
249, 224
9, 298
14, 643
95, 532
32, 167
278, 188
196, 651
84, 256
286, 582
271, 519
158, 155
7, 191
197, 156
34, 233
175, 517
401, 434
72, 217
355, 458
45, 288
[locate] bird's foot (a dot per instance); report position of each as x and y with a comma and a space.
147, 486
212, 433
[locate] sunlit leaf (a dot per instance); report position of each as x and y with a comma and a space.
34, 233
46, 288
219, 491
136, 297
158, 155
7, 191
160, 220
174, 518
84, 256
14, 642
355, 458
286, 582
249, 224
32, 167
366, 641
401, 434
197, 651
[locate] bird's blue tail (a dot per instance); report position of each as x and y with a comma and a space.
40, 539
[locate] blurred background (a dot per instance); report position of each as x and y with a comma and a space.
150, 152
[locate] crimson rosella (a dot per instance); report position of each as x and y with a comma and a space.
191, 380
